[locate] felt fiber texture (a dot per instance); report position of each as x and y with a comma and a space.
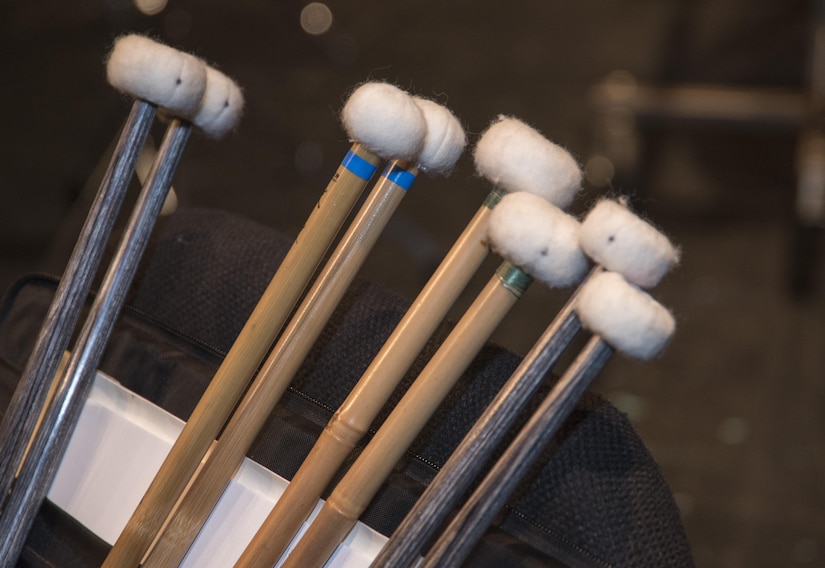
445, 139
157, 73
539, 238
385, 120
516, 157
221, 106
624, 315
619, 240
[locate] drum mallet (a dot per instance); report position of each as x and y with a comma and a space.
622, 317
218, 112
644, 257
544, 244
155, 75
516, 158
381, 122
297, 339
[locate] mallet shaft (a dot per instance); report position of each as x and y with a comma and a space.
280, 366
247, 352
464, 464
620, 315
352, 420
458, 539
354, 492
21, 417
59, 421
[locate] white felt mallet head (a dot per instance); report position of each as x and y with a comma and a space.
539, 238
445, 139
516, 157
385, 120
221, 106
621, 241
625, 316
158, 74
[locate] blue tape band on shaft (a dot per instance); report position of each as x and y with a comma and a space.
358, 165
399, 176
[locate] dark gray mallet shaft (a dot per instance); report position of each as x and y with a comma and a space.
59, 420
20, 419
461, 535
477, 447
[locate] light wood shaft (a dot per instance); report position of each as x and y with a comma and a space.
456, 475
416, 407
429, 309
238, 367
362, 405
297, 501
354, 492
327, 531
278, 370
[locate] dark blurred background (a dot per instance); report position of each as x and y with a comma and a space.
704, 112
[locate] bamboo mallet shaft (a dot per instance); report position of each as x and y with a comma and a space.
442, 145
501, 156
246, 353
360, 117
635, 251
217, 114
617, 238
278, 370
353, 418
523, 226
353, 493
248, 350
464, 464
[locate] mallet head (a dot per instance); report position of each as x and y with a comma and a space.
621, 241
539, 238
516, 157
385, 120
221, 106
158, 74
445, 139
625, 316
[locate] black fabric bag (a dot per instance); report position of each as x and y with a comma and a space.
596, 498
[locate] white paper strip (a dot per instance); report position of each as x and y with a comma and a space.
118, 446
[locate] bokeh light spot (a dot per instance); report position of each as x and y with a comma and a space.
316, 18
